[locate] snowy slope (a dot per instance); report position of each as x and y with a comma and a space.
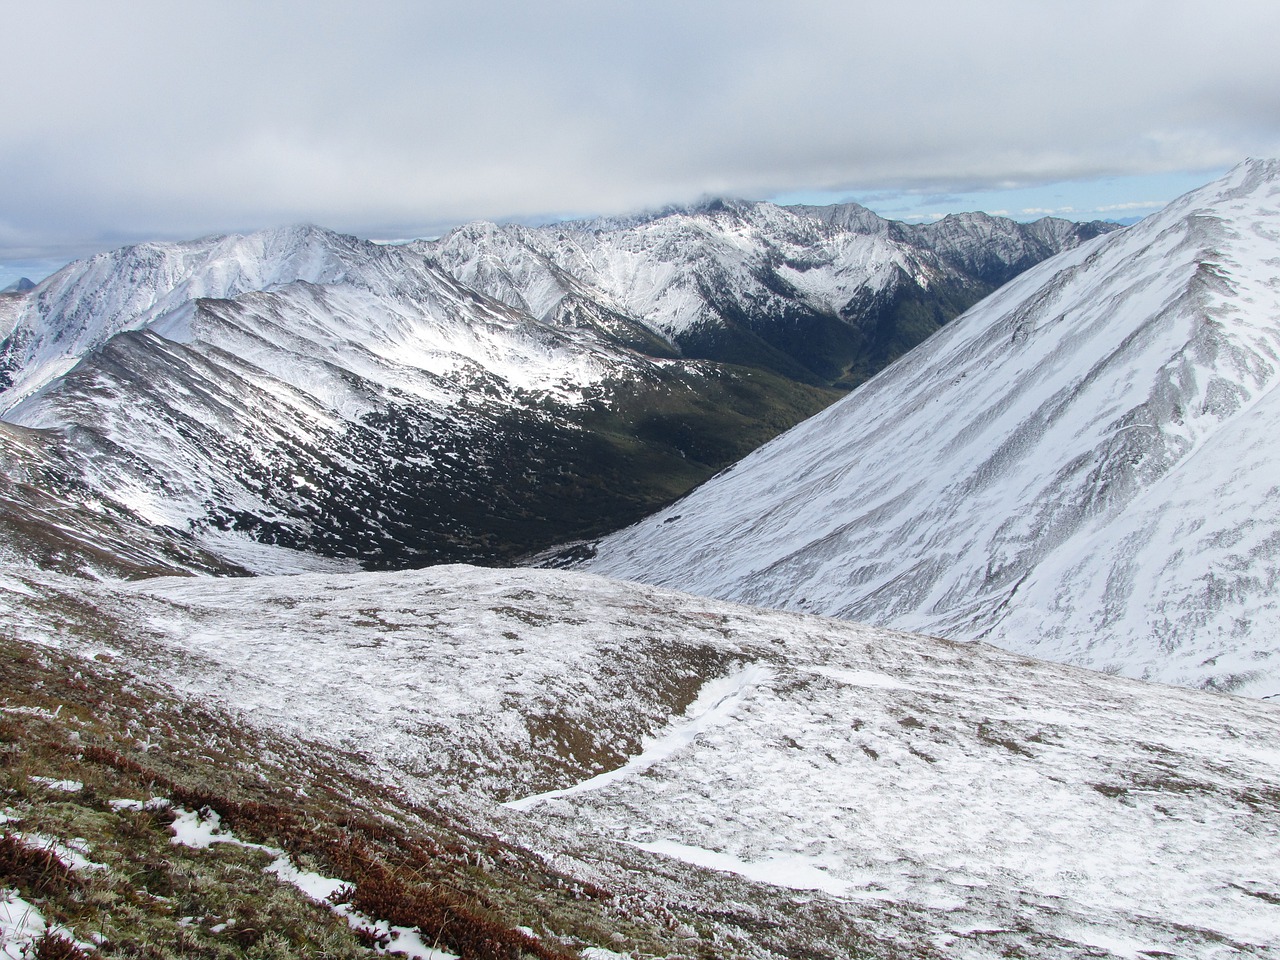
10, 307
83, 305
952, 799
398, 300
477, 398
1081, 467
50, 519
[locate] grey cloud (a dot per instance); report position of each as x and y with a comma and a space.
162, 119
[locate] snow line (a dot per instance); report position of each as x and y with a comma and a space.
716, 701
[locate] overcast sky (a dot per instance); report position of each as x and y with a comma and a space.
134, 119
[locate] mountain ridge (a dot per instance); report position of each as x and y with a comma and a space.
827, 295
965, 489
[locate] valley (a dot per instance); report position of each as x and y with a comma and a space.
276, 685
298, 394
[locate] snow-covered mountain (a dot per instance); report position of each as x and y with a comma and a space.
1082, 467
21, 285
785, 785
478, 397
81, 307
314, 391
581, 764
821, 294
51, 518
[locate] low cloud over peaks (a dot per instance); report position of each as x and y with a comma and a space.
156, 119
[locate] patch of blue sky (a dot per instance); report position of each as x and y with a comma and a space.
1121, 198
11, 271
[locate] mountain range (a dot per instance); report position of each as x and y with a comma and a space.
296, 395
824, 295
1081, 468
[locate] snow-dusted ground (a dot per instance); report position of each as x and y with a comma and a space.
1005, 803
714, 705
1082, 467
22, 925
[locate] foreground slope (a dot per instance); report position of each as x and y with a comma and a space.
134, 822
1082, 467
787, 785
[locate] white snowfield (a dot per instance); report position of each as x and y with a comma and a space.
996, 802
1082, 467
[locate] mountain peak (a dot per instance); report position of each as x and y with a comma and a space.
845, 216
21, 285
87, 302
1261, 168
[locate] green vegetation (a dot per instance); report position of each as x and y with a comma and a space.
142, 896
830, 350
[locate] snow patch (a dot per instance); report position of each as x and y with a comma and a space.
71, 853
859, 678
64, 786
794, 873
201, 829
714, 706
21, 924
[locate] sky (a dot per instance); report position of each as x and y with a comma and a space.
137, 120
